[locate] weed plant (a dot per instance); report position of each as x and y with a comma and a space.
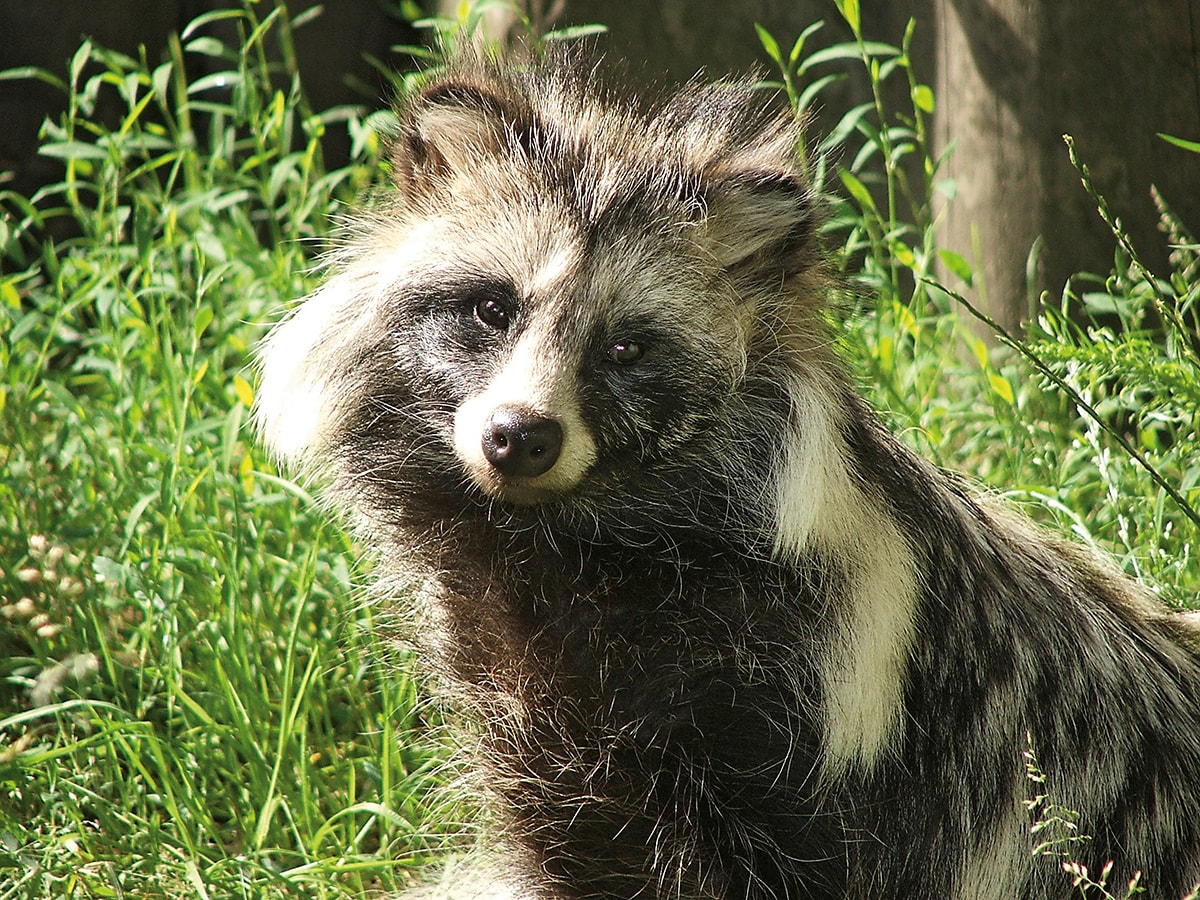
193, 699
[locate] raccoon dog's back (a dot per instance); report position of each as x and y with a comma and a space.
723, 635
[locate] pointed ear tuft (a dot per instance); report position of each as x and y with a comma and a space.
447, 130
765, 215
760, 208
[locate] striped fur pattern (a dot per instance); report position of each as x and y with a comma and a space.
723, 635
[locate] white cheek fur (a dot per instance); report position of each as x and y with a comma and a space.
302, 384
292, 403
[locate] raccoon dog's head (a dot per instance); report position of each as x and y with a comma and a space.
568, 300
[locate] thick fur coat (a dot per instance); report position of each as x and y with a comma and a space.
723, 635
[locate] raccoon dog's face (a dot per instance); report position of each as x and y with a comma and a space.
564, 300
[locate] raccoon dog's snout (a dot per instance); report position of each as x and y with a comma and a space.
519, 442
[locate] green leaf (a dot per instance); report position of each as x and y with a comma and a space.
161, 80
204, 19
144, 222
1002, 388
903, 254
110, 571
906, 321
243, 390
956, 264
32, 73
858, 190
206, 46
846, 125
980, 349
850, 12
219, 81
769, 44
60, 395
574, 33
200, 372
839, 52
79, 60
810, 92
1191, 146
73, 150
885, 351
922, 96
798, 47
204, 317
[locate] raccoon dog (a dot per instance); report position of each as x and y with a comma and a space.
723, 636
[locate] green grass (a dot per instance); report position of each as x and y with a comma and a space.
193, 699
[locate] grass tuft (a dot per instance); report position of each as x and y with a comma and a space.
192, 700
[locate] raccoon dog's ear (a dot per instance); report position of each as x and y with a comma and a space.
758, 205
446, 131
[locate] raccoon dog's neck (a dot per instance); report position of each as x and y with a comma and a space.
725, 637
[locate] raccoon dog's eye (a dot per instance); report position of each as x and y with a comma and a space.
625, 353
492, 313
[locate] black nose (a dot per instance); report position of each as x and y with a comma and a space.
519, 442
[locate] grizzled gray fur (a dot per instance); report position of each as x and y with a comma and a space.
723, 635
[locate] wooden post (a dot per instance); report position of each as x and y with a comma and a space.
1013, 76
